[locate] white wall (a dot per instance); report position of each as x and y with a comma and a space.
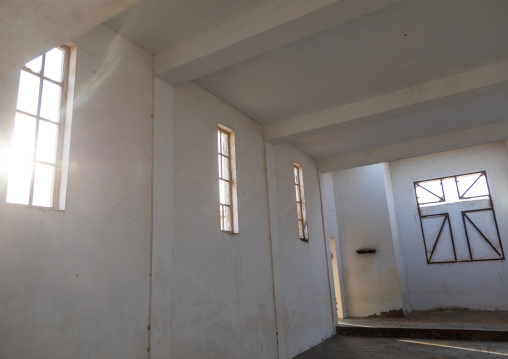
304, 307
335, 271
222, 289
161, 310
371, 281
473, 285
74, 283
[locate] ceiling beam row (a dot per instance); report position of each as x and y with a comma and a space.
275, 25
436, 93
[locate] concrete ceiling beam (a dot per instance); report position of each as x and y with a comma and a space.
440, 92
28, 28
265, 29
424, 146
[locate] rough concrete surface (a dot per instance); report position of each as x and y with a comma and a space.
380, 348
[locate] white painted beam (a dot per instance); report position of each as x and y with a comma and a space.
265, 29
447, 90
29, 28
420, 147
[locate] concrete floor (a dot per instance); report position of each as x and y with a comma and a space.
374, 348
390, 348
460, 319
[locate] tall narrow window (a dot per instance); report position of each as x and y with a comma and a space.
300, 202
38, 130
227, 180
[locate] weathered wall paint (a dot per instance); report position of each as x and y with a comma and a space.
371, 280
222, 286
473, 285
306, 309
74, 283
161, 335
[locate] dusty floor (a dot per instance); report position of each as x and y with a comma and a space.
461, 319
374, 348
389, 348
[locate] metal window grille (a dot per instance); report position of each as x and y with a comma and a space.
300, 203
225, 180
457, 219
34, 176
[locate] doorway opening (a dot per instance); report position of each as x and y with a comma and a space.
336, 281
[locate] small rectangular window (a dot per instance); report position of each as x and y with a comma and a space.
36, 150
228, 211
300, 202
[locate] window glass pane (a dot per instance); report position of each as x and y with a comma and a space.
225, 192
225, 144
226, 212
225, 168
221, 216
299, 209
23, 139
53, 67
429, 191
47, 142
50, 106
295, 169
43, 185
226, 176
297, 190
20, 179
300, 229
474, 185
35, 65
28, 93
219, 163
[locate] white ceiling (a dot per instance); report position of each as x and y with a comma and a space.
156, 25
29, 28
368, 135
407, 44
340, 79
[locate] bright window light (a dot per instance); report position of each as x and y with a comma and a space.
228, 211
35, 154
300, 202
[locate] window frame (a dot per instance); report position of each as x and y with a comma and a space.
301, 210
232, 181
62, 123
446, 217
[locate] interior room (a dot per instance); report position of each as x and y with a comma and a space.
229, 179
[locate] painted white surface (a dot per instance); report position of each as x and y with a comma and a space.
371, 280
440, 92
419, 147
275, 239
397, 47
397, 245
74, 283
161, 337
277, 24
332, 233
157, 25
306, 306
473, 285
222, 286
30, 28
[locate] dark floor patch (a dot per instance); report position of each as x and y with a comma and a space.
394, 313
390, 348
